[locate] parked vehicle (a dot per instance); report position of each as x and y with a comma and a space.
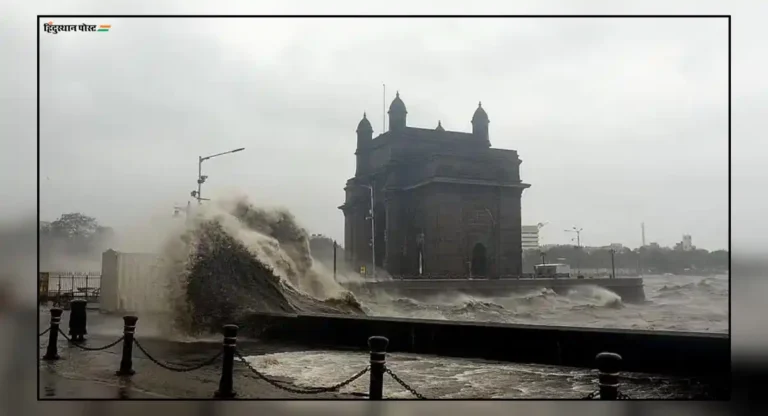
551, 271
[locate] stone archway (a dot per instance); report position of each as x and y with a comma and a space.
479, 260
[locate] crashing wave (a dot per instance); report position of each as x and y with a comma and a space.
242, 260
474, 306
705, 286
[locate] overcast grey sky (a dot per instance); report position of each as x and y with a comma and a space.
617, 121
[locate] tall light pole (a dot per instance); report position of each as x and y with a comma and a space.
373, 229
497, 243
578, 245
201, 178
420, 242
177, 209
578, 234
334, 259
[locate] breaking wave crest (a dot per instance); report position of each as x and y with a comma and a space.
233, 260
535, 305
706, 286
236, 259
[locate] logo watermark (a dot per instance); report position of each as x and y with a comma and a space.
83, 27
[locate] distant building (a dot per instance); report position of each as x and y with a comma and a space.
590, 249
612, 246
530, 237
687, 243
432, 201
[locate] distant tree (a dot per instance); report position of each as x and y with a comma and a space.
75, 225
649, 259
45, 227
73, 234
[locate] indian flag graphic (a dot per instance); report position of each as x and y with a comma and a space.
104, 28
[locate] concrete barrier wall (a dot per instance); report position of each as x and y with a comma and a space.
131, 282
660, 352
108, 296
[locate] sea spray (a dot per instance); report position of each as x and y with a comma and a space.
603, 296
260, 260
234, 260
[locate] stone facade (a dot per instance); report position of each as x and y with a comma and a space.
445, 203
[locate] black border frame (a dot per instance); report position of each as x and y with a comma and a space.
383, 16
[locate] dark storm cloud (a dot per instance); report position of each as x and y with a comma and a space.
619, 121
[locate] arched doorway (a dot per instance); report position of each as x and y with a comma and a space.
479, 260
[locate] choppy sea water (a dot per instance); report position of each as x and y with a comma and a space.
452, 378
238, 259
674, 303
679, 303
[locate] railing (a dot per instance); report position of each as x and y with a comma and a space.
62, 288
608, 363
480, 277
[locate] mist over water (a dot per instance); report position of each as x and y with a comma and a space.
232, 259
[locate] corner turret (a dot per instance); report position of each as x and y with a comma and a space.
480, 124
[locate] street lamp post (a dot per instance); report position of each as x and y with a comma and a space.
373, 230
201, 178
578, 246
177, 209
420, 241
334, 259
497, 243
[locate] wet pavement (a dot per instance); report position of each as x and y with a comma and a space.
91, 374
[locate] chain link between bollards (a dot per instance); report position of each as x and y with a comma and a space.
622, 396
178, 369
608, 364
403, 383
83, 347
310, 390
592, 395
596, 395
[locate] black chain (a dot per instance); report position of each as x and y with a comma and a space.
402, 383
310, 390
596, 394
591, 395
178, 369
44, 332
622, 396
83, 347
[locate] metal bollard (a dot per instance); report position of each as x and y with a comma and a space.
77, 320
53, 335
225, 390
608, 365
126, 363
378, 346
